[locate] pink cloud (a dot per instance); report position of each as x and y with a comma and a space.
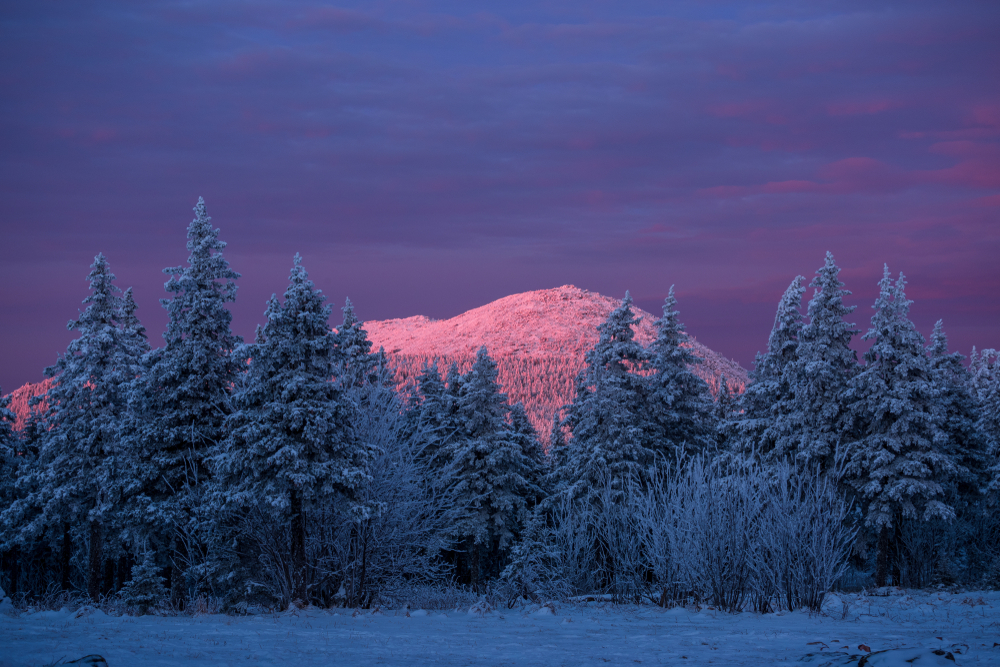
986, 114
979, 165
992, 201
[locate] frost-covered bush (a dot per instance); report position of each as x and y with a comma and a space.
390, 536
733, 535
804, 537
715, 526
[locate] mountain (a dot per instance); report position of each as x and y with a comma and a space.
20, 400
538, 340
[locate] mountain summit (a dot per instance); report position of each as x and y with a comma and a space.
538, 340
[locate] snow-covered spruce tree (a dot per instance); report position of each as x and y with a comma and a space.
607, 419
680, 404
8, 452
897, 460
960, 550
290, 441
488, 471
533, 452
984, 369
762, 426
134, 339
8, 479
352, 352
429, 415
725, 413
145, 589
78, 466
22, 533
958, 414
177, 406
817, 418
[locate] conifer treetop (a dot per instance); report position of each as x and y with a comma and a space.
827, 310
784, 338
202, 287
669, 347
939, 341
616, 346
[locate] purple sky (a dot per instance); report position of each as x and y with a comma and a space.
426, 158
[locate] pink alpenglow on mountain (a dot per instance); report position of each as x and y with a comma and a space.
538, 340
20, 401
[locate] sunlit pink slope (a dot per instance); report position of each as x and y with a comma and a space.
20, 401
538, 339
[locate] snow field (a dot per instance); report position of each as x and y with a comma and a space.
576, 635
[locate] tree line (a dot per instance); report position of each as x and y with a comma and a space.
296, 467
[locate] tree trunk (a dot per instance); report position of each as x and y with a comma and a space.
123, 572
64, 556
882, 557
95, 566
364, 568
108, 587
298, 546
474, 570
178, 592
15, 569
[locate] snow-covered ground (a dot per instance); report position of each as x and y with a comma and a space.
965, 624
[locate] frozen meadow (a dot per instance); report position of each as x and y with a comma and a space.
908, 625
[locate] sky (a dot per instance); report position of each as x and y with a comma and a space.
430, 157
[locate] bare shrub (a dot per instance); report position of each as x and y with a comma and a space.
390, 535
804, 539
733, 534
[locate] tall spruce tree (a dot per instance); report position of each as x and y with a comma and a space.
429, 416
680, 404
78, 462
354, 362
896, 463
984, 371
8, 452
21, 520
489, 470
817, 420
290, 438
9, 455
177, 407
762, 427
958, 414
607, 418
534, 454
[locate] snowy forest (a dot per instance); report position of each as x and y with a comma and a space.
293, 470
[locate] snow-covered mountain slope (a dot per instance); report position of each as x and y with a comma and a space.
20, 400
538, 340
